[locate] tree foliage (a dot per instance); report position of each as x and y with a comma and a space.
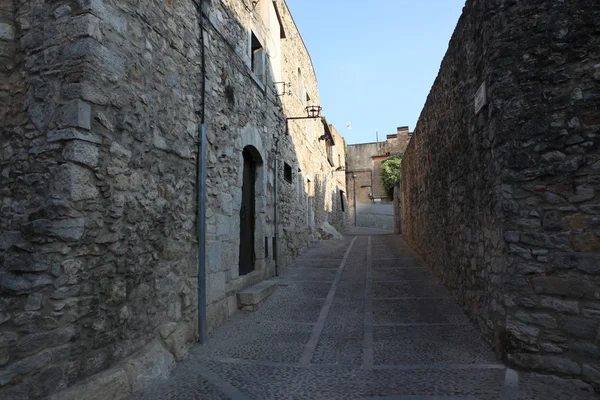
390, 174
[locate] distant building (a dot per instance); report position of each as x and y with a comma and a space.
363, 179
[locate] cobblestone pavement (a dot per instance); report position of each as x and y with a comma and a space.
359, 318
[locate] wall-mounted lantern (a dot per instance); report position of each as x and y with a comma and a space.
311, 112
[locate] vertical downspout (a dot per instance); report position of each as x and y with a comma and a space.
201, 217
354, 190
276, 207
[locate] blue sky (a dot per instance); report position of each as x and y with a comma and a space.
375, 59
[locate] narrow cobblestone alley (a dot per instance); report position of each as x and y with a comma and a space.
359, 318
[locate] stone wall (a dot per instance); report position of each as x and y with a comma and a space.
98, 182
311, 200
97, 188
503, 204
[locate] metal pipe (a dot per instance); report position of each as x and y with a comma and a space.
276, 208
354, 190
201, 182
202, 236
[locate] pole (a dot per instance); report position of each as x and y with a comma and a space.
276, 207
202, 236
354, 190
201, 182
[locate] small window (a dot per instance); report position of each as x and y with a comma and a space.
342, 200
301, 89
257, 55
287, 172
266, 247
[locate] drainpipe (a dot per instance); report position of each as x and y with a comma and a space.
201, 216
354, 190
276, 208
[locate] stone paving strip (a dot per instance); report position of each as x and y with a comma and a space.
360, 318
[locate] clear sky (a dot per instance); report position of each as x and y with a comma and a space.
375, 59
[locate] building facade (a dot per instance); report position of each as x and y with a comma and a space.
369, 202
103, 106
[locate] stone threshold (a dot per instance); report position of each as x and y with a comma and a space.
251, 298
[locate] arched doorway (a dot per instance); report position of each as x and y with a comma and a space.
252, 161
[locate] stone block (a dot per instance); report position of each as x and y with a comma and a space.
584, 349
545, 363
225, 203
112, 384
75, 181
85, 91
585, 241
560, 305
521, 331
34, 302
81, 152
119, 152
7, 32
586, 262
251, 298
216, 285
35, 342
582, 193
91, 50
574, 288
69, 230
41, 114
32, 363
71, 134
541, 319
214, 252
150, 364
8, 238
591, 373
578, 327
76, 114
179, 340
4, 357
550, 241
23, 283
512, 236
8, 339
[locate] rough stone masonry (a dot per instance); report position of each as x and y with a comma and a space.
501, 196
99, 118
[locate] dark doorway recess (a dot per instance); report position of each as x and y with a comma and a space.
247, 211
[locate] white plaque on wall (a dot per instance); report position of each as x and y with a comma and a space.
480, 98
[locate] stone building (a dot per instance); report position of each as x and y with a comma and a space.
101, 111
501, 180
363, 179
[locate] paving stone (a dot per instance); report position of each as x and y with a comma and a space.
417, 311
397, 262
408, 289
430, 345
400, 274
257, 355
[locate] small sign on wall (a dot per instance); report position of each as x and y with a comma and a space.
480, 98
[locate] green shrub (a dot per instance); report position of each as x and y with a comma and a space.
390, 174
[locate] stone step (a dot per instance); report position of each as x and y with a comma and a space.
251, 298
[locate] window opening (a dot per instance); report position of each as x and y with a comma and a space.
257, 56
287, 172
